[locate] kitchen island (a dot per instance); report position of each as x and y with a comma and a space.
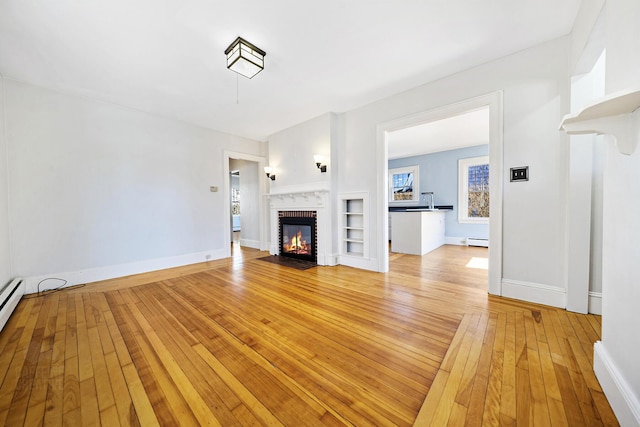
416, 231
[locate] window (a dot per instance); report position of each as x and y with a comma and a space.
473, 190
403, 184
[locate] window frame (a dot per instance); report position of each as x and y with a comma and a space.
415, 197
463, 189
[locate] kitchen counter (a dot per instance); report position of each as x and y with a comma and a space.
416, 231
404, 208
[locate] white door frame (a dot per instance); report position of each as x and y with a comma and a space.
496, 179
262, 185
584, 224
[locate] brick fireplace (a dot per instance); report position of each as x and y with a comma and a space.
301, 220
298, 234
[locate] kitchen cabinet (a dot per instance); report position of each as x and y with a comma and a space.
416, 232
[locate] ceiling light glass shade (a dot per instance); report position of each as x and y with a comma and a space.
245, 58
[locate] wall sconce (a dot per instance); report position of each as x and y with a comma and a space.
318, 158
245, 58
268, 170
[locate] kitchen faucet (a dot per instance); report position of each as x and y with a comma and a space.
424, 197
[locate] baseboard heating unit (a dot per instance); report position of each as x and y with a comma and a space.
10, 295
477, 242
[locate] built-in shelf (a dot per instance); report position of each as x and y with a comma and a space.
354, 235
617, 115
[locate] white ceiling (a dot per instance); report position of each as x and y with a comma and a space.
167, 56
464, 130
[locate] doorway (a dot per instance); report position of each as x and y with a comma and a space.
450, 157
244, 203
491, 101
244, 189
236, 224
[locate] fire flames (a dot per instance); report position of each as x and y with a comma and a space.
297, 245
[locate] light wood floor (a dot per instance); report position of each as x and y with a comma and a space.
244, 342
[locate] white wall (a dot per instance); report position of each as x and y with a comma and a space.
5, 259
535, 98
616, 357
438, 173
623, 44
99, 191
587, 36
291, 155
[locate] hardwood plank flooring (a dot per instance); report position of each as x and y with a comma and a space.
244, 342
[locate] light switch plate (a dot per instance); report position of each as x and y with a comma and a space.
520, 173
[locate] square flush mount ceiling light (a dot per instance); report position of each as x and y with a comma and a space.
245, 58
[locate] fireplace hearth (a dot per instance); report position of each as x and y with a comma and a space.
298, 234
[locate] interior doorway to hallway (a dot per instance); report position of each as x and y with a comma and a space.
244, 202
245, 208
236, 225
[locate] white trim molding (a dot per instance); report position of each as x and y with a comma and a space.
248, 243
415, 185
620, 396
496, 148
535, 292
72, 278
357, 262
595, 303
363, 260
226, 192
463, 189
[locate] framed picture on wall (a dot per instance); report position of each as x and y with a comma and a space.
403, 185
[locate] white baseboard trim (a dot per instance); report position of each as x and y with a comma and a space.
620, 396
595, 303
534, 292
50, 281
471, 241
329, 260
274, 249
357, 262
458, 241
248, 243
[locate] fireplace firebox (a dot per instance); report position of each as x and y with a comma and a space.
298, 235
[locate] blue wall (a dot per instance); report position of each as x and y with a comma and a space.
439, 173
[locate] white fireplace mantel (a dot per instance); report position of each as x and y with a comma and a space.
305, 199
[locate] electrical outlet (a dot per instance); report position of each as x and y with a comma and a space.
520, 173
213, 189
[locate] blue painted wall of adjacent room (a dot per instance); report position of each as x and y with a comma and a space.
439, 173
